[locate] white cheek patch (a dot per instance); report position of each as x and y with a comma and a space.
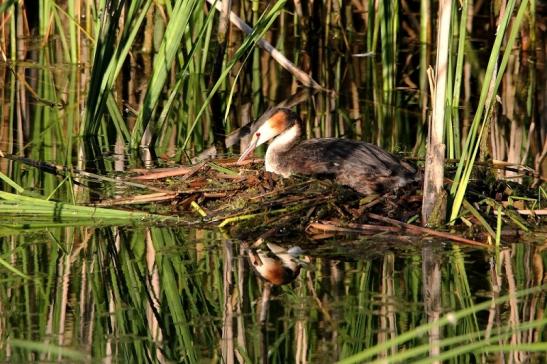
288, 136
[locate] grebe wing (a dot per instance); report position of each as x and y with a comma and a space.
331, 155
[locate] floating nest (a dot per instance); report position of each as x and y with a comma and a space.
250, 203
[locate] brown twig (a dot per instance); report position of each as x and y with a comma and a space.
353, 228
139, 199
413, 229
399, 226
165, 173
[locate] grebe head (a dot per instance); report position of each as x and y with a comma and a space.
281, 120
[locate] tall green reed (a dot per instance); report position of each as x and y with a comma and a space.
492, 80
110, 52
176, 28
454, 136
243, 51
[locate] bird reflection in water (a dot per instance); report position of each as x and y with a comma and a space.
275, 264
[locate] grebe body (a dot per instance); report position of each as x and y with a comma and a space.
363, 166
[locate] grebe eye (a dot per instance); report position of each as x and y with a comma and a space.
258, 134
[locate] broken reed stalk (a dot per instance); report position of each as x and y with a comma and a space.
140, 199
397, 228
352, 228
268, 47
434, 163
163, 173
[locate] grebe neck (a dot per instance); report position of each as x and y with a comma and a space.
274, 160
286, 140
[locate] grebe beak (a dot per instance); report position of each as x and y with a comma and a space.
261, 136
250, 148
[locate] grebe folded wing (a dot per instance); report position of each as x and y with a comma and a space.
362, 166
330, 154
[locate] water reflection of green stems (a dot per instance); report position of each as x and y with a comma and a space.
446, 320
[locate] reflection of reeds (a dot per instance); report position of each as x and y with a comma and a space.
161, 293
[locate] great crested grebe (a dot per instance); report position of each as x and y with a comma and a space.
276, 265
362, 166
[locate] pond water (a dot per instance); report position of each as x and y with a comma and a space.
134, 294
142, 293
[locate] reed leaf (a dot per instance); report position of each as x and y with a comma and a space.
177, 27
479, 217
11, 268
539, 347
11, 183
110, 55
458, 75
17, 205
473, 141
260, 28
476, 341
46, 348
482, 342
445, 320
7, 4
152, 126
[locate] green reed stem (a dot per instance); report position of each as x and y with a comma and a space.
261, 27
474, 138
174, 32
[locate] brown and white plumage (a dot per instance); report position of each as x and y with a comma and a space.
276, 265
360, 165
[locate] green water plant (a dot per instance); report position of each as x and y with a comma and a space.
177, 27
492, 79
18, 206
110, 52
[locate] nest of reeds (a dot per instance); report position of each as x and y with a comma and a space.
249, 203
